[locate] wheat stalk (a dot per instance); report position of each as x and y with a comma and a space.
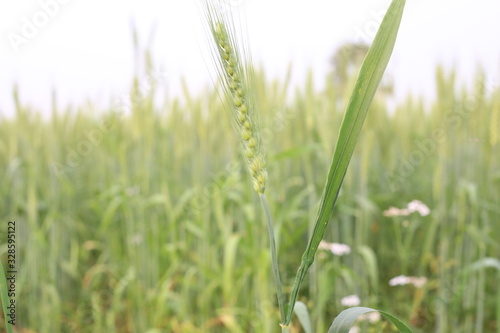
234, 76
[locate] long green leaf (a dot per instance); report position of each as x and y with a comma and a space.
368, 80
345, 320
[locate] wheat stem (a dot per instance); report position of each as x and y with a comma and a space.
274, 259
234, 78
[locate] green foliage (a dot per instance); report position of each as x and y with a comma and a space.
346, 319
143, 231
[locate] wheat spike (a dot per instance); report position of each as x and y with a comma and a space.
233, 76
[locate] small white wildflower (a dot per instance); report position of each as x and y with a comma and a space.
393, 211
420, 207
354, 329
399, 281
340, 249
404, 212
351, 300
424, 210
336, 248
418, 282
402, 280
323, 245
414, 206
372, 317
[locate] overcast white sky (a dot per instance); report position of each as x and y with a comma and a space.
84, 50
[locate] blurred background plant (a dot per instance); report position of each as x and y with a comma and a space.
140, 218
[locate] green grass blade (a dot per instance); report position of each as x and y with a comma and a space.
368, 80
345, 320
482, 264
303, 315
5, 298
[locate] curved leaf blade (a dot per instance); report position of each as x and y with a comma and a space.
345, 320
484, 263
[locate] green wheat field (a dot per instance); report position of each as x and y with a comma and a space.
142, 218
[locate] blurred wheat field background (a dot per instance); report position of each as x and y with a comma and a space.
145, 221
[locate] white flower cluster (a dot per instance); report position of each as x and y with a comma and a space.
336, 248
412, 207
351, 300
402, 280
371, 317
355, 329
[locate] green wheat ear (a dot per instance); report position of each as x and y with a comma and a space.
235, 82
